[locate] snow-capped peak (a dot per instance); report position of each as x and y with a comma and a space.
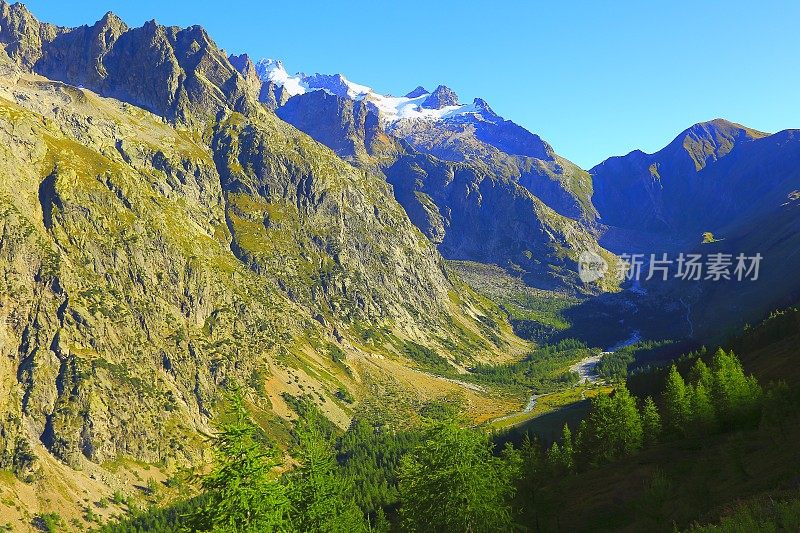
418, 104
274, 71
338, 85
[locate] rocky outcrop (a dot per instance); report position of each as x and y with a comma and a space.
351, 128
508, 152
489, 152
145, 272
179, 74
22, 35
473, 215
306, 202
441, 97
245, 66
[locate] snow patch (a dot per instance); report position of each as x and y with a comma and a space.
274, 71
390, 108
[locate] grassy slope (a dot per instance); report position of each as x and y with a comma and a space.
525, 306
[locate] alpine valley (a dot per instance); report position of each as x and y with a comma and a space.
185, 233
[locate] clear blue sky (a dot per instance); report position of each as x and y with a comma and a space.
594, 79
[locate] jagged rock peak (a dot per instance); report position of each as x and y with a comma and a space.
17, 8
419, 91
111, 21
443, 96
482, 107
179, 74
23, 35
242, 63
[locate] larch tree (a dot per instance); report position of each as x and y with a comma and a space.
453, 482
242, 494
651, 422
676, 402
321, 497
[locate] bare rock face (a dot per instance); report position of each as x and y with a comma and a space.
480, 187
329, 209
179, 74
473, 215
87, 320
351, 128
506, 151
441, 97
272, 96
247, 69
78, 55
8, 68
22, 35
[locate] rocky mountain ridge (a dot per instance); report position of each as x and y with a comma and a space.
179, 74
487, 190
669, 191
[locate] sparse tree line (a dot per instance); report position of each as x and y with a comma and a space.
719, 397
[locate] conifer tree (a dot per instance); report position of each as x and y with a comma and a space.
322, 499
736, 397
555, 461
651, 422
701, 373
241, 494
532, 457
629, 431
676, 402
533, 468
452, 482
702, 419
382, 524
613, 428
567, 449
597, 434
580, 449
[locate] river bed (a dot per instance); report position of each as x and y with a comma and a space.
586, 368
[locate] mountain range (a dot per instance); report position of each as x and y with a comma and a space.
481, 187
486, 190
178, 222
